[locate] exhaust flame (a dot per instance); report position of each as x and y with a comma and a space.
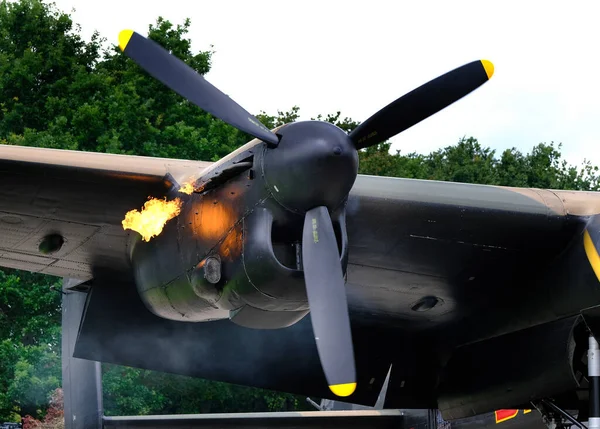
149, 222
187, 188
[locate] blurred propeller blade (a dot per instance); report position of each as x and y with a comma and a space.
421, 103
327, 300
188, 83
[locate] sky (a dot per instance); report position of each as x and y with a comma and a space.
358, 56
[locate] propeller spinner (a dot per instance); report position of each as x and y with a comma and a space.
319, 182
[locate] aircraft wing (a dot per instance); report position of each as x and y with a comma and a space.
459, 243
463, 244
432, 267
433, 230
82, 195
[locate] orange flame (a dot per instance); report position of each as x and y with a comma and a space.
149, 222
187, 188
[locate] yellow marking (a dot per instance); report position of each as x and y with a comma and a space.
346, 389
367, 137
124, 37
592, 253
489, 68
526, 411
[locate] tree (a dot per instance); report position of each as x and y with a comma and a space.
469, 162
293, 115
41, 54
282, 118
150, 392
29, 342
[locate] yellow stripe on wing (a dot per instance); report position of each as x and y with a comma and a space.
592, 253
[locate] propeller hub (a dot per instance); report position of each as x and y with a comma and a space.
315, 164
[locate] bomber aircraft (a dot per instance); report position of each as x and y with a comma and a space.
479, 297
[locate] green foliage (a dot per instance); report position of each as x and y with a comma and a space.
37, 373
469, 162
293, 115
282, 118
345, 124
29, 342
61, 92
151, 392
41, 55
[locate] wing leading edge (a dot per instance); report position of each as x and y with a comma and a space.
408, 238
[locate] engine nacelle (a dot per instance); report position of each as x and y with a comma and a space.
233, 252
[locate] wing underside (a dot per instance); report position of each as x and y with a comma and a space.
470, 248
463, 244
408, 238
84, 197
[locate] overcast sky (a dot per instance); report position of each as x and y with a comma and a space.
357, 57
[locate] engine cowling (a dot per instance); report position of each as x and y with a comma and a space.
235, 251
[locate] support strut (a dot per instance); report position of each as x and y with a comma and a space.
594, 383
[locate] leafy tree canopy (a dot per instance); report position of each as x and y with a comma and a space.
469, 162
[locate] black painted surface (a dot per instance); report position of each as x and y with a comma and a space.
419, 104
500, 260
118, 328
528, 365
594, 396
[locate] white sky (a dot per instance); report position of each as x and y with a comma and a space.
356, 57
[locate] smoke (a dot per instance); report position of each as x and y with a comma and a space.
117, 328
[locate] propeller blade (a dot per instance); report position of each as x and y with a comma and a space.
421, 103
188, 83
327, 300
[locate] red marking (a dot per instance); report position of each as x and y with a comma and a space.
503, 415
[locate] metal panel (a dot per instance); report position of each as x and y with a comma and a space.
82, 382
117, 328
310, 419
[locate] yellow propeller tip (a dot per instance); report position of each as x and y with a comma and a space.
489, 68
124, 37
345, 389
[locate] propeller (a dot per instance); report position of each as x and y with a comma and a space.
421, 103
324, 161
188, 83
326, 293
